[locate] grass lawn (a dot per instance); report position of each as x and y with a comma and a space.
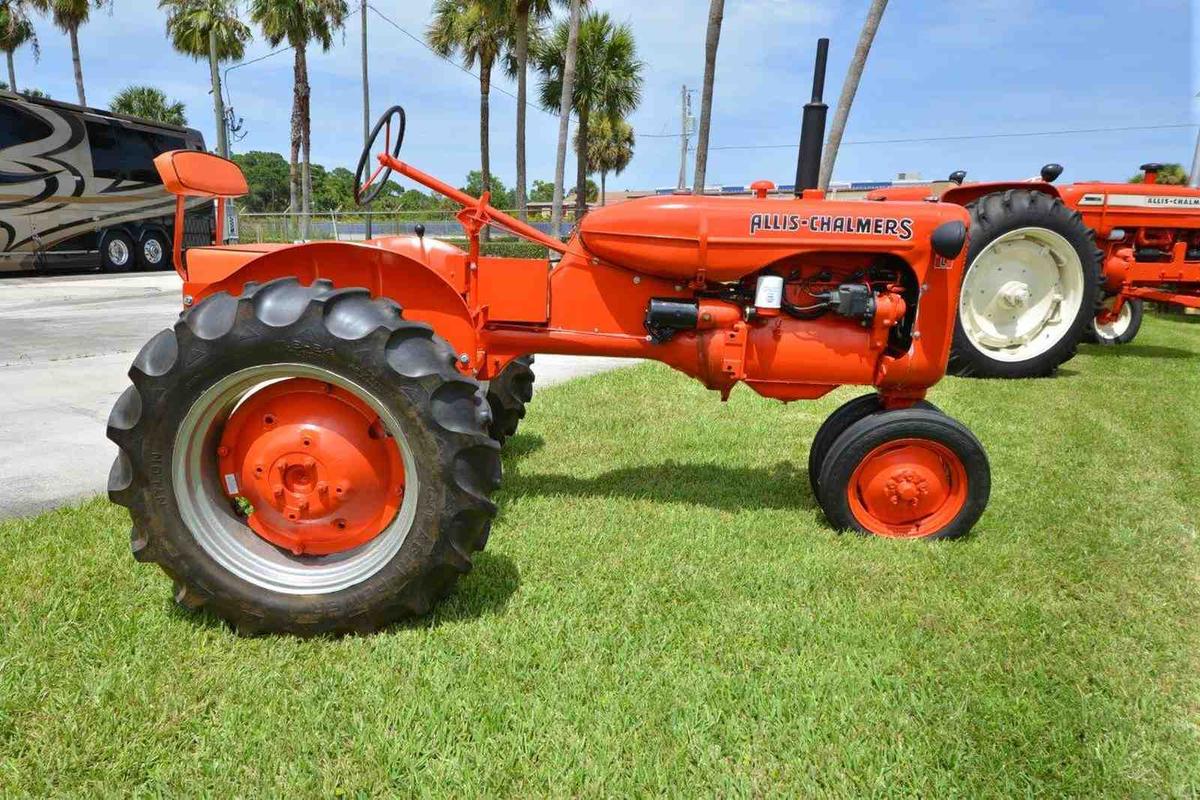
662, 610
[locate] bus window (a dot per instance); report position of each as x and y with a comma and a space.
120, 153
20, 127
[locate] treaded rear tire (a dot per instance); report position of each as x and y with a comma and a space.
998, 213
403, 364
508, 394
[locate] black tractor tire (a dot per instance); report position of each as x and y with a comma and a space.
117, 252
403, 364
999, 213
146, 260
508, 394
873, 431
1137, 310
836, 423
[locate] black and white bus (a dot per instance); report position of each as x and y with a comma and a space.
78, 189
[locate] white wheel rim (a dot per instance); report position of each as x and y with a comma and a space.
118, 253
1117, 327
152, 251
1022, 294
209, 517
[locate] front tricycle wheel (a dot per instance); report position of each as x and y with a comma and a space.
304, 460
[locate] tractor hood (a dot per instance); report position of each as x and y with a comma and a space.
725, 238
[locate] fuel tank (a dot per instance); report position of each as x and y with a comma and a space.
724, 238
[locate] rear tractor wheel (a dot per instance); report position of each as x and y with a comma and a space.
508, 394
302, 459
1030, 289
1122, 328
906, 474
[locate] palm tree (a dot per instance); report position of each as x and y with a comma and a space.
210, 30
70, 16
148, 103
566, 100
849, 89
608, 80
716, 12
610, 149
527, 19
299, 22
15, 31
478, 32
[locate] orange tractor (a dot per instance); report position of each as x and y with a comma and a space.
1051, 266
313, 447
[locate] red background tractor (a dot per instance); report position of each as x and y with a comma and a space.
1050, 266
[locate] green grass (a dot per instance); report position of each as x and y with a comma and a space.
662, 611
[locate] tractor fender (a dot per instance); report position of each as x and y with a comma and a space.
423, 293
970, 192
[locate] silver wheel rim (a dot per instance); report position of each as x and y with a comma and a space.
209, 516
118, 252
1119, 326
1022, 294
152, 251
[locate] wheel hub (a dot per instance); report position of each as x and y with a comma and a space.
908, 488
1015, 294
314, 464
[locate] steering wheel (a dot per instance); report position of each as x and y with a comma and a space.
365, 192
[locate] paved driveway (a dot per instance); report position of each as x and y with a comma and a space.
65, 346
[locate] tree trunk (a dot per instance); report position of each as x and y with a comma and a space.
716, 11
485, 161
297, 135
522, 55
849, 89
74, 33
603, 187
564, 119
581, 171
306, 145
218, 101
12, 73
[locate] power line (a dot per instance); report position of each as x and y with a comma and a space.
969, 136
454, 63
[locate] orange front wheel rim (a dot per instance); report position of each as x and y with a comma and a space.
908, 488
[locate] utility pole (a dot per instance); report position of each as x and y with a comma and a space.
685, 129
1194, 178
366, 98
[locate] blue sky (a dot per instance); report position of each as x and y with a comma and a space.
939, 68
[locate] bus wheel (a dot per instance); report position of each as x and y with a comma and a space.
116, 252
154, 251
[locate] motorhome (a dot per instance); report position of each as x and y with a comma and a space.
78, 189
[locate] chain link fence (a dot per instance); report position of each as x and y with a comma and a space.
351, 226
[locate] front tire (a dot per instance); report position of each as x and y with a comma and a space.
1121, 330
322, 358
836, 424
906, 474
1030, 289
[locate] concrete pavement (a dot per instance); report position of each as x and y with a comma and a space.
66, 344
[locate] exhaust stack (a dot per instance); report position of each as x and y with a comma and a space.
812, 128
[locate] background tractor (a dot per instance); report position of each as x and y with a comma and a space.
313, 447
1051, 266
